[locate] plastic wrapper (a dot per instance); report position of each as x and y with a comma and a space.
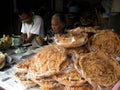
79, 30
24, 79
49, 61
76, 51
118, 58
51, 85
70, 77
106, 41
52, 64
85, 86
116, 86
23, 66
70, 40
100, 70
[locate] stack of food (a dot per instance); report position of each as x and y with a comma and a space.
106, 41
82, 66
52, 69
74, 38
22, 74
50, 60
100, 70
24, 79
2, 60
5, 42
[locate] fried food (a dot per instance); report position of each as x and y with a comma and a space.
23, 66
24, 79
106, 41
51, 85
99, 68
71, 39
2, 60
49, 61
85, 86
72, 78
76, 51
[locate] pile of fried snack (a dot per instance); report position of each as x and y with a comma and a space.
82, 59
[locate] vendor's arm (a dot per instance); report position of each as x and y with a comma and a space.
30, 38
40, 41
23, 37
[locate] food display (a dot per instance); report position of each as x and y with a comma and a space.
71, 78
50, 85
99, 68
106, 41
72, 39
23, 66
23, 79
49, 61
76, 51
85, 86
87, 65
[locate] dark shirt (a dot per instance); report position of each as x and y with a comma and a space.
50, 33
49, 36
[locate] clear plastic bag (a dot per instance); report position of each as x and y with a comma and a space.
70, 40
100, 70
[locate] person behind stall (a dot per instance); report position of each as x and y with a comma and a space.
32, 26
58, 26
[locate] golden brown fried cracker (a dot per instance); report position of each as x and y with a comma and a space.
23, 79
99, 68
49, 61
72, 78
106, 41
71, 40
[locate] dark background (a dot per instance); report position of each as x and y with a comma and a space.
10, 23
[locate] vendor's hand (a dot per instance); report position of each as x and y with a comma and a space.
39, 40
23, 37
22, 40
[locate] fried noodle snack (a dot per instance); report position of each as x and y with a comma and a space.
106, 41
72, 39
49, 61
97, 67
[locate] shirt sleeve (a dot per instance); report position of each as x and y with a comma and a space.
23, 29
38, 27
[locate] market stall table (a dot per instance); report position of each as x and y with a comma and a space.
7, 81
